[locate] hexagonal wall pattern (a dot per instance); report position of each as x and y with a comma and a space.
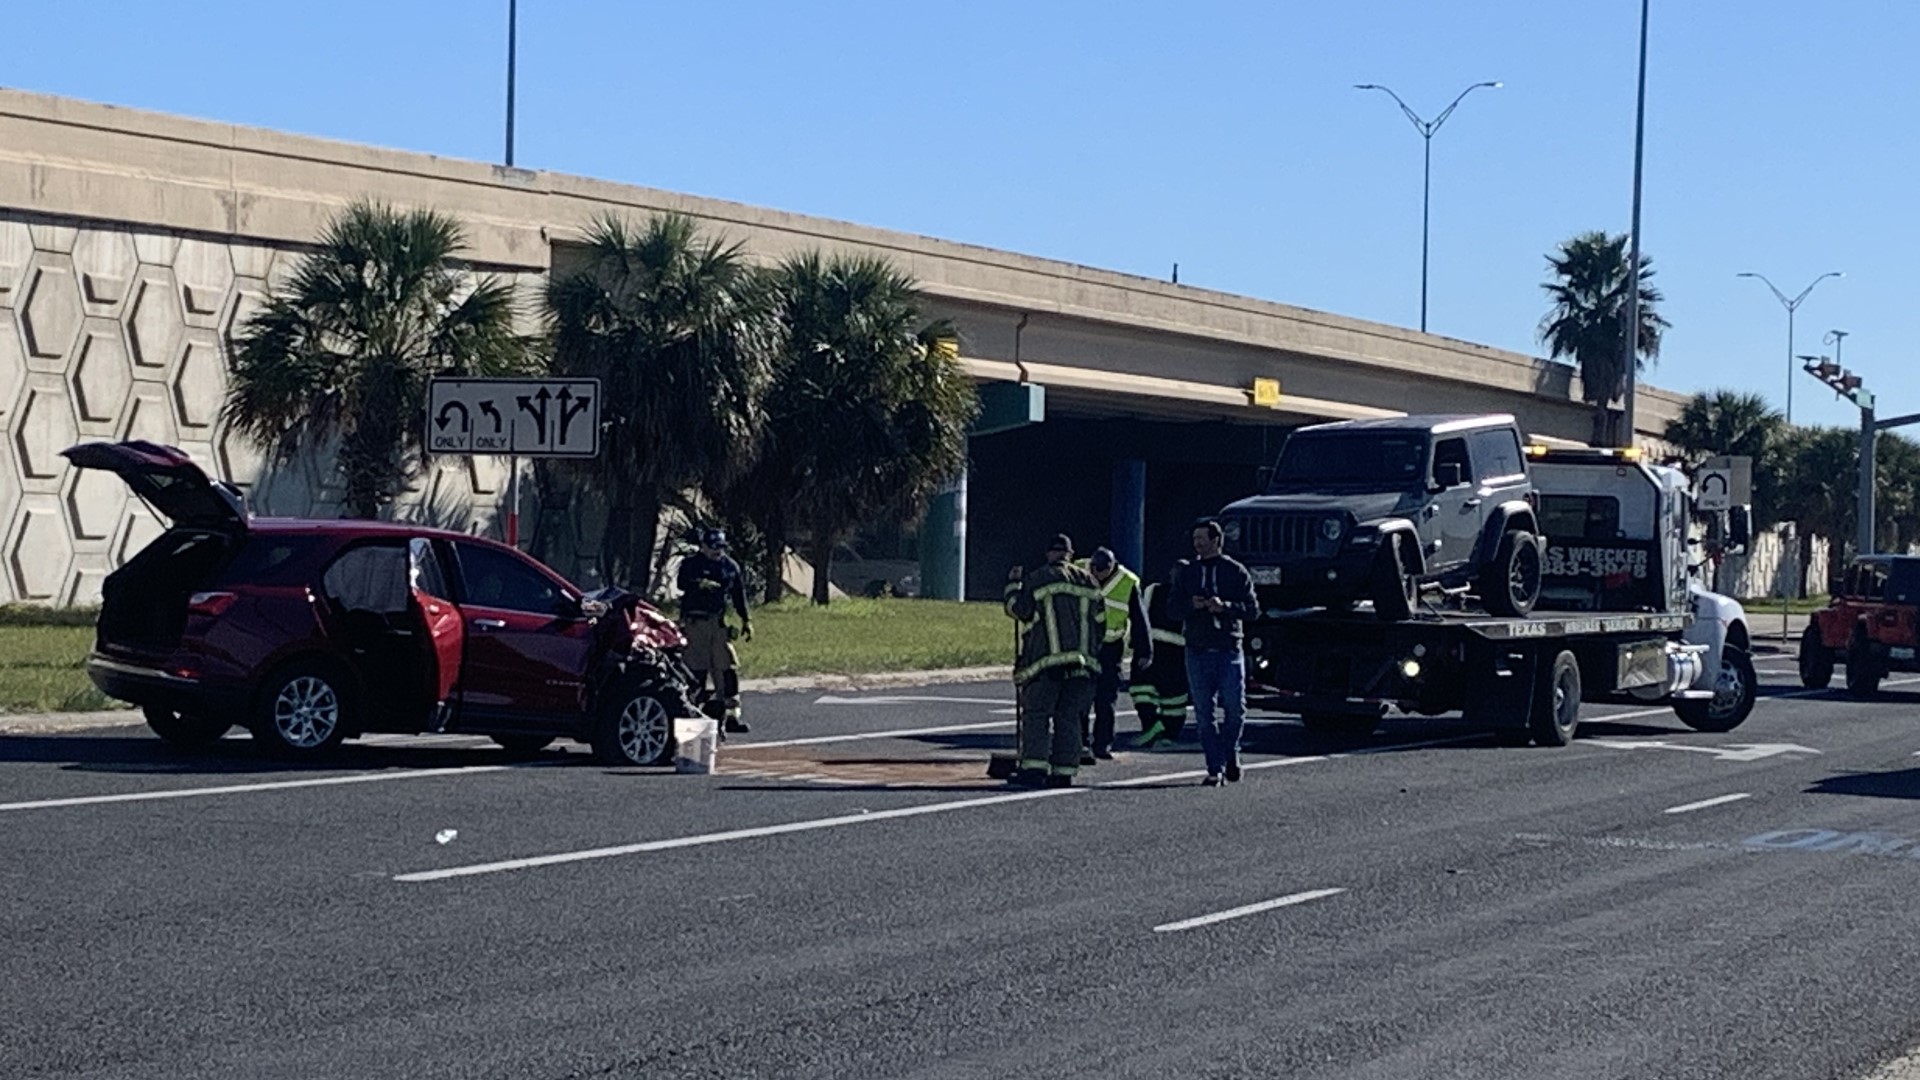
95, 504
200, 387
50, 315
43, 429
39, 554
107, 332
105, 260
16, 250
102, 376
155, 323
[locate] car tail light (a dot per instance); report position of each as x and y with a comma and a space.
211, 604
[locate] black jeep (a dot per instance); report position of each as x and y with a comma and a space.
1382, 509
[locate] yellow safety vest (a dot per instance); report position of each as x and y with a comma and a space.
1117, 592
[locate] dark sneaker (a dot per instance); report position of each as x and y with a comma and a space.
1103, 753
735, 726
1087, 757
1233, 773
1027, 778
1059, 780
1212, 780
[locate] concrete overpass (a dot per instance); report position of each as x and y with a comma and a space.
131, 243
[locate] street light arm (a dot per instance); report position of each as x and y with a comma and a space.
1425, 130
1777, 294
1448, 111
1815, 281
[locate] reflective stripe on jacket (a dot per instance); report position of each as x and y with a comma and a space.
1061, 622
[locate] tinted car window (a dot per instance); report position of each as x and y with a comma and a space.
1385, 462
1903, 586
272, 560
499, 580
371, 577
1580, 517
1452, 452
1498, 452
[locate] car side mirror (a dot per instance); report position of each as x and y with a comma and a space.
1448, 474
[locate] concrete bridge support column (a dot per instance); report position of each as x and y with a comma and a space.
943, 543
1127, 530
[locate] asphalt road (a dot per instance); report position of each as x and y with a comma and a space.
1427, 906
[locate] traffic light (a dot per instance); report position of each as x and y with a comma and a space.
1843, 382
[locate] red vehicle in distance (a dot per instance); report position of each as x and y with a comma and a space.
1871, 624
310, 632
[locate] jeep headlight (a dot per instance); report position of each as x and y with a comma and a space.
1331, 528
1230, 528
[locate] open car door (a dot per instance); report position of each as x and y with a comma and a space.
444, 630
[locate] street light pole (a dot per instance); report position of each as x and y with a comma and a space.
1792, 306
1426, 129
513, 33
1633, 255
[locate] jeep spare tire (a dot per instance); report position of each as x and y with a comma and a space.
1510, 584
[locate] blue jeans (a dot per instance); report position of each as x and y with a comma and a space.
1218, 673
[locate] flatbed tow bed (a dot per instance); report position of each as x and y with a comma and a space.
1523, 678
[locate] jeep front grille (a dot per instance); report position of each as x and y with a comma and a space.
1278, 534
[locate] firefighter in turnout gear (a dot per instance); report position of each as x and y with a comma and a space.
709, 580
1160, 693
1124, 618
1060, 614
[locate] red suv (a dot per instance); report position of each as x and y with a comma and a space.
1871, 624
310, 632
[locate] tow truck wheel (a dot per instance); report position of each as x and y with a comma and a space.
1816, 660
1556, 701
1511, 583
1391, 588
1733, 695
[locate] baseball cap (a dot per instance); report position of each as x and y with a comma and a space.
1060, 542
1102, 559
714, 538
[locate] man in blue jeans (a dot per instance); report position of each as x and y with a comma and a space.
1215, 593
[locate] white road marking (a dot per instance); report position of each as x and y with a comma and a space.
1250, 909
724, 837
237, 789
896, 734
1731, 752
904, 699
1718, 800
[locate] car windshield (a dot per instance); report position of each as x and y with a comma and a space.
1381, 462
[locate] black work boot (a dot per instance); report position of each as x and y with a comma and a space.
1059, 780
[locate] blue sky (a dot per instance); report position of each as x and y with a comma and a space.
1223, 136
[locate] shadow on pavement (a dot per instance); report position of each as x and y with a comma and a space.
1898, 784
136, 754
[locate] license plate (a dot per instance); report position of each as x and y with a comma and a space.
1900, 654
1270, 575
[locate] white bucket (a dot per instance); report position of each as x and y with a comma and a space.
696, 744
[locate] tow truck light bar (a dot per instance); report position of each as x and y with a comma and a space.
1617, 453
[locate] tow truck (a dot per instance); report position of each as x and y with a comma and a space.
1621, 618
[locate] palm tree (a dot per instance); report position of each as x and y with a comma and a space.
1587, 322
869, 412
674, 324
345, 351
1819, 466
1731, 422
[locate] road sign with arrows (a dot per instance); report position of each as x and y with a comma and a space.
525, 417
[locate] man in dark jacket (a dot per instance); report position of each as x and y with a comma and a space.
1215, 593
1061, 618
709, 580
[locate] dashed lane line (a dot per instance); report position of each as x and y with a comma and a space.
239, 789
1243, 912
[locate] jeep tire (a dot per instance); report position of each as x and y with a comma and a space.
1816, 660
1393, 590
1863, 673
1510, 584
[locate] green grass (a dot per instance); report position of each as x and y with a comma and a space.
1771, 605
858, 636
43, 650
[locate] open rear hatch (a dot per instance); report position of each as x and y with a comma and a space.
144, 604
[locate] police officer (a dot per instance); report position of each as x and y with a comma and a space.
1123, 617
1059, 610
709, 579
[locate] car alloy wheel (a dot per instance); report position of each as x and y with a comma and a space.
644, 730
306, 712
